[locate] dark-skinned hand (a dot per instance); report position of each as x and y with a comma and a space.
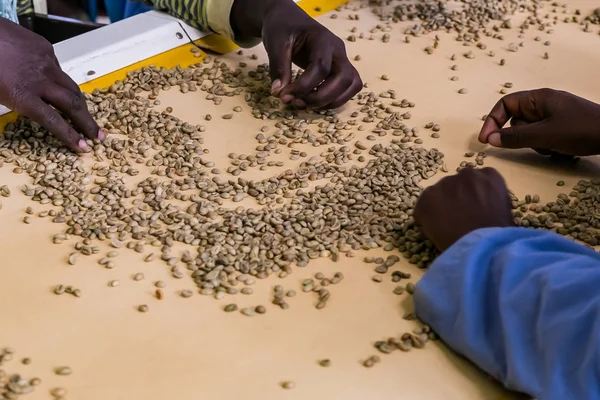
462, 203
291, 36
549, 121
33, 84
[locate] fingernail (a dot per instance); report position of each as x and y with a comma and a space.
286, 98
101, 135
83, 145
494, 139
299, 103
275, 87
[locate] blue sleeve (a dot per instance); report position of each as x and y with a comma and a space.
522, 304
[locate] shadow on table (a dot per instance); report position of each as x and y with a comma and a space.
472, 372
490, 389
583, 168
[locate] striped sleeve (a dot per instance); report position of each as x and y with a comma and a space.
206, 15
24, 7
193, 12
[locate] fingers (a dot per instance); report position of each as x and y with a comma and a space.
521, 136
342, 99
337, 89
280, 64
431, 194
72, 104
317, 71
449, 185
65, 81
419, 211
469, 175
83, 122
514, 121
494, 121
520, 105
49, 118
492, 175
499, 116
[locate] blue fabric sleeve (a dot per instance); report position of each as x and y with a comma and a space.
522, 304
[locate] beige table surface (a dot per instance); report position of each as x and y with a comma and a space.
189, 349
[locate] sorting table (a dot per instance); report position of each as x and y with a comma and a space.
190, 348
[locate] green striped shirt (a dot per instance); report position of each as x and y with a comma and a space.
206, 15
24, 7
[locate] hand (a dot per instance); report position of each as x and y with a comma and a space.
31, 81
290, 35
462, 203
329, 80
547, 120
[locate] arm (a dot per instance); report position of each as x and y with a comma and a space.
521, 304
290, 36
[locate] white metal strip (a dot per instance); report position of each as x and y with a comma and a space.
115, 46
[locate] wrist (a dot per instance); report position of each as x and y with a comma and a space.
248, 17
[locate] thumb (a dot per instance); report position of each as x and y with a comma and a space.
280, 65
521, 136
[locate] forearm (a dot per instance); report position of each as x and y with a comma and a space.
522, 305
248, 16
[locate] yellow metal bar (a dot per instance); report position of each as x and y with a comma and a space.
183, 56
314, 8
7, 118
